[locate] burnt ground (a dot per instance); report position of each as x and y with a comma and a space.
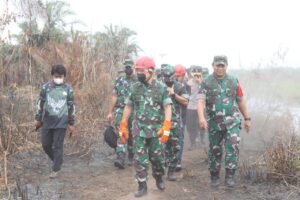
95, 177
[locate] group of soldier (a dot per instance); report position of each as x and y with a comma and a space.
151, 109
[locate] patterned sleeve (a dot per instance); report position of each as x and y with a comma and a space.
40, 104
71, 106
129, 100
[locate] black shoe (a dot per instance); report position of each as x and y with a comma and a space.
142, 189
130, 159
171, 175
215, 179
120, 163
160, 183
229, 178
178, 167
229, 182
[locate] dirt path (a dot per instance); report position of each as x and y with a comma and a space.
99, 179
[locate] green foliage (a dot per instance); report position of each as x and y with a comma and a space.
115, 44
55, 14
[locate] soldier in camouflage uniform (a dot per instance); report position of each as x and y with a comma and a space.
151, 105
222, 95
179, 97
55, 112
121, 90
180, 72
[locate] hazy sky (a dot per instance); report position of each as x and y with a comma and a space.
193, 31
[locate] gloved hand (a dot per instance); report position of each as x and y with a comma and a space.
123, 133
165, 137
164, 132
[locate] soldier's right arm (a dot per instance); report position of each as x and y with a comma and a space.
167, 103
128, 107
127, 112
40, 104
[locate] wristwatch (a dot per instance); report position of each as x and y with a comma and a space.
247, 118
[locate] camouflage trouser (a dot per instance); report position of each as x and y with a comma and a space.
181, 143
172, 148
121, 148
148, 149
216, 140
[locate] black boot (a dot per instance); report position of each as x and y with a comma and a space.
130, 159
171, 174
142, 189
229, 178
120, 162
160, 183
215, 178
178, 167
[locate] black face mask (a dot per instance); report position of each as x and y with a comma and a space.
169, 83
128, 71
141, 78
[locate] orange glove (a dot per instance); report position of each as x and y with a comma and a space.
165, 137
164, 132
123, 133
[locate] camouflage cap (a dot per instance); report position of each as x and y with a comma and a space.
167, 70
128, 62
163, 65
220, 60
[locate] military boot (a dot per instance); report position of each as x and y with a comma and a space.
120, 162
142, 189
130, 159
229, 178
171, 174
215, 178
178, 167
160, 183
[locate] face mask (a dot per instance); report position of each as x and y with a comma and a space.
141, 78
169, 83
58, 81
128, 71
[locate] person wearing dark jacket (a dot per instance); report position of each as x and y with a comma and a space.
55, 113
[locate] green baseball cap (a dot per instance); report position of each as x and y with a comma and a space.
128, 62
220, 60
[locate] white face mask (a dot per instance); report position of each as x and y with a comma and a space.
58, 81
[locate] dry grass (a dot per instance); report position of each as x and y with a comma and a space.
280, 163
17, 130
283, 160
